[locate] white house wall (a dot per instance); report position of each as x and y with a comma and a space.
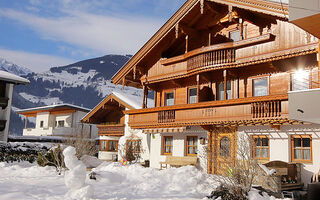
179, 146
5, 113
280, 144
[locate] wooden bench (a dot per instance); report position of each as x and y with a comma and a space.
175, 161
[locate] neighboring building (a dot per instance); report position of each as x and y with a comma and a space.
226, 66
57, 120
113, 130
7, 81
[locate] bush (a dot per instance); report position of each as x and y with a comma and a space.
17, 152
53, 157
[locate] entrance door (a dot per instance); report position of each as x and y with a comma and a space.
224, 150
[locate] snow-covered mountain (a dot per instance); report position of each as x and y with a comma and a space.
84, 83
13, 68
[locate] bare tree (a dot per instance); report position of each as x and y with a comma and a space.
83, 144
131, 150
53, 157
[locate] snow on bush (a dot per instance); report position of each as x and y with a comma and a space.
76, 176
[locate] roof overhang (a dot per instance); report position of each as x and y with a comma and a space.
278, 10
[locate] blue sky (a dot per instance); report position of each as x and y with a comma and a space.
39, 34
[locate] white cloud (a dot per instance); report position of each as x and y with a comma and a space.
101, 34
35, 62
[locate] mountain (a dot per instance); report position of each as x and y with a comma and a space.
13, 68
84, 83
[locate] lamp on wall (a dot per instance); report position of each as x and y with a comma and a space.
202, 141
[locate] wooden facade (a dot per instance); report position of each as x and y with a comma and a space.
240, 58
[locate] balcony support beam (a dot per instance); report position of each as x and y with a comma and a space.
225, 83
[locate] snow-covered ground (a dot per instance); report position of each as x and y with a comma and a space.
114, 182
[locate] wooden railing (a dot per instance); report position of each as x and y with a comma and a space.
166, 116
217, 57
111, 130
235, 111
266, 109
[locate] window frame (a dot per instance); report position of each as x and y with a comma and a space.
135, 142
232, 31
41, 124
190, 88
309, 80
268, 85
165, 97
187, 145
301, 149
254, 147
58, 125
108, 145
164, 145
218, 90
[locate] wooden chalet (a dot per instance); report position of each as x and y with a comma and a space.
110, 119
223, 65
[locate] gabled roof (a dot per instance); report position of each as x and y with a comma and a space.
279, 10
52, 107
128, 101
12, 78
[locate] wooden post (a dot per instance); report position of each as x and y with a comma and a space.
144, 97
187, 41
319, 66
225, 84
198, 87
210, 153
209, 39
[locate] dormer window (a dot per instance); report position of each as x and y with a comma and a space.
235, 35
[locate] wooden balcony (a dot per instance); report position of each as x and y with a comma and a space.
111, 130
245, 111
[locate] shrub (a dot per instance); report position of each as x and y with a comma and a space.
53, 157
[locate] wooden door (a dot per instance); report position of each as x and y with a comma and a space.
223, 150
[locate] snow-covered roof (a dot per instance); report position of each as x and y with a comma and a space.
133, 100
54, 107
12, 78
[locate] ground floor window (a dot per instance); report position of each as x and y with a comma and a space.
301, 148
108, 145
167, 145
192, 145
134, 145
260, 147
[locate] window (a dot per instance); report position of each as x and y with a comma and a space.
225, 146
60, 123
167, 145
301, 148
300, 80
235, 35
135, 145
221, 91
260, 149
41, 124
260, 87
192, 145
193, 95
169, 99
108, 145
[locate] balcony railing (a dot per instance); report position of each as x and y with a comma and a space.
217, 57
111, 130
252, 109
166, 116
266, 109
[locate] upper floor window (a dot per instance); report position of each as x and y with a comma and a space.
193, 95
300, 80
260, 87
169, 99
41, 124
221, 91
261, 147
301, 148
60, 123
235, 35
